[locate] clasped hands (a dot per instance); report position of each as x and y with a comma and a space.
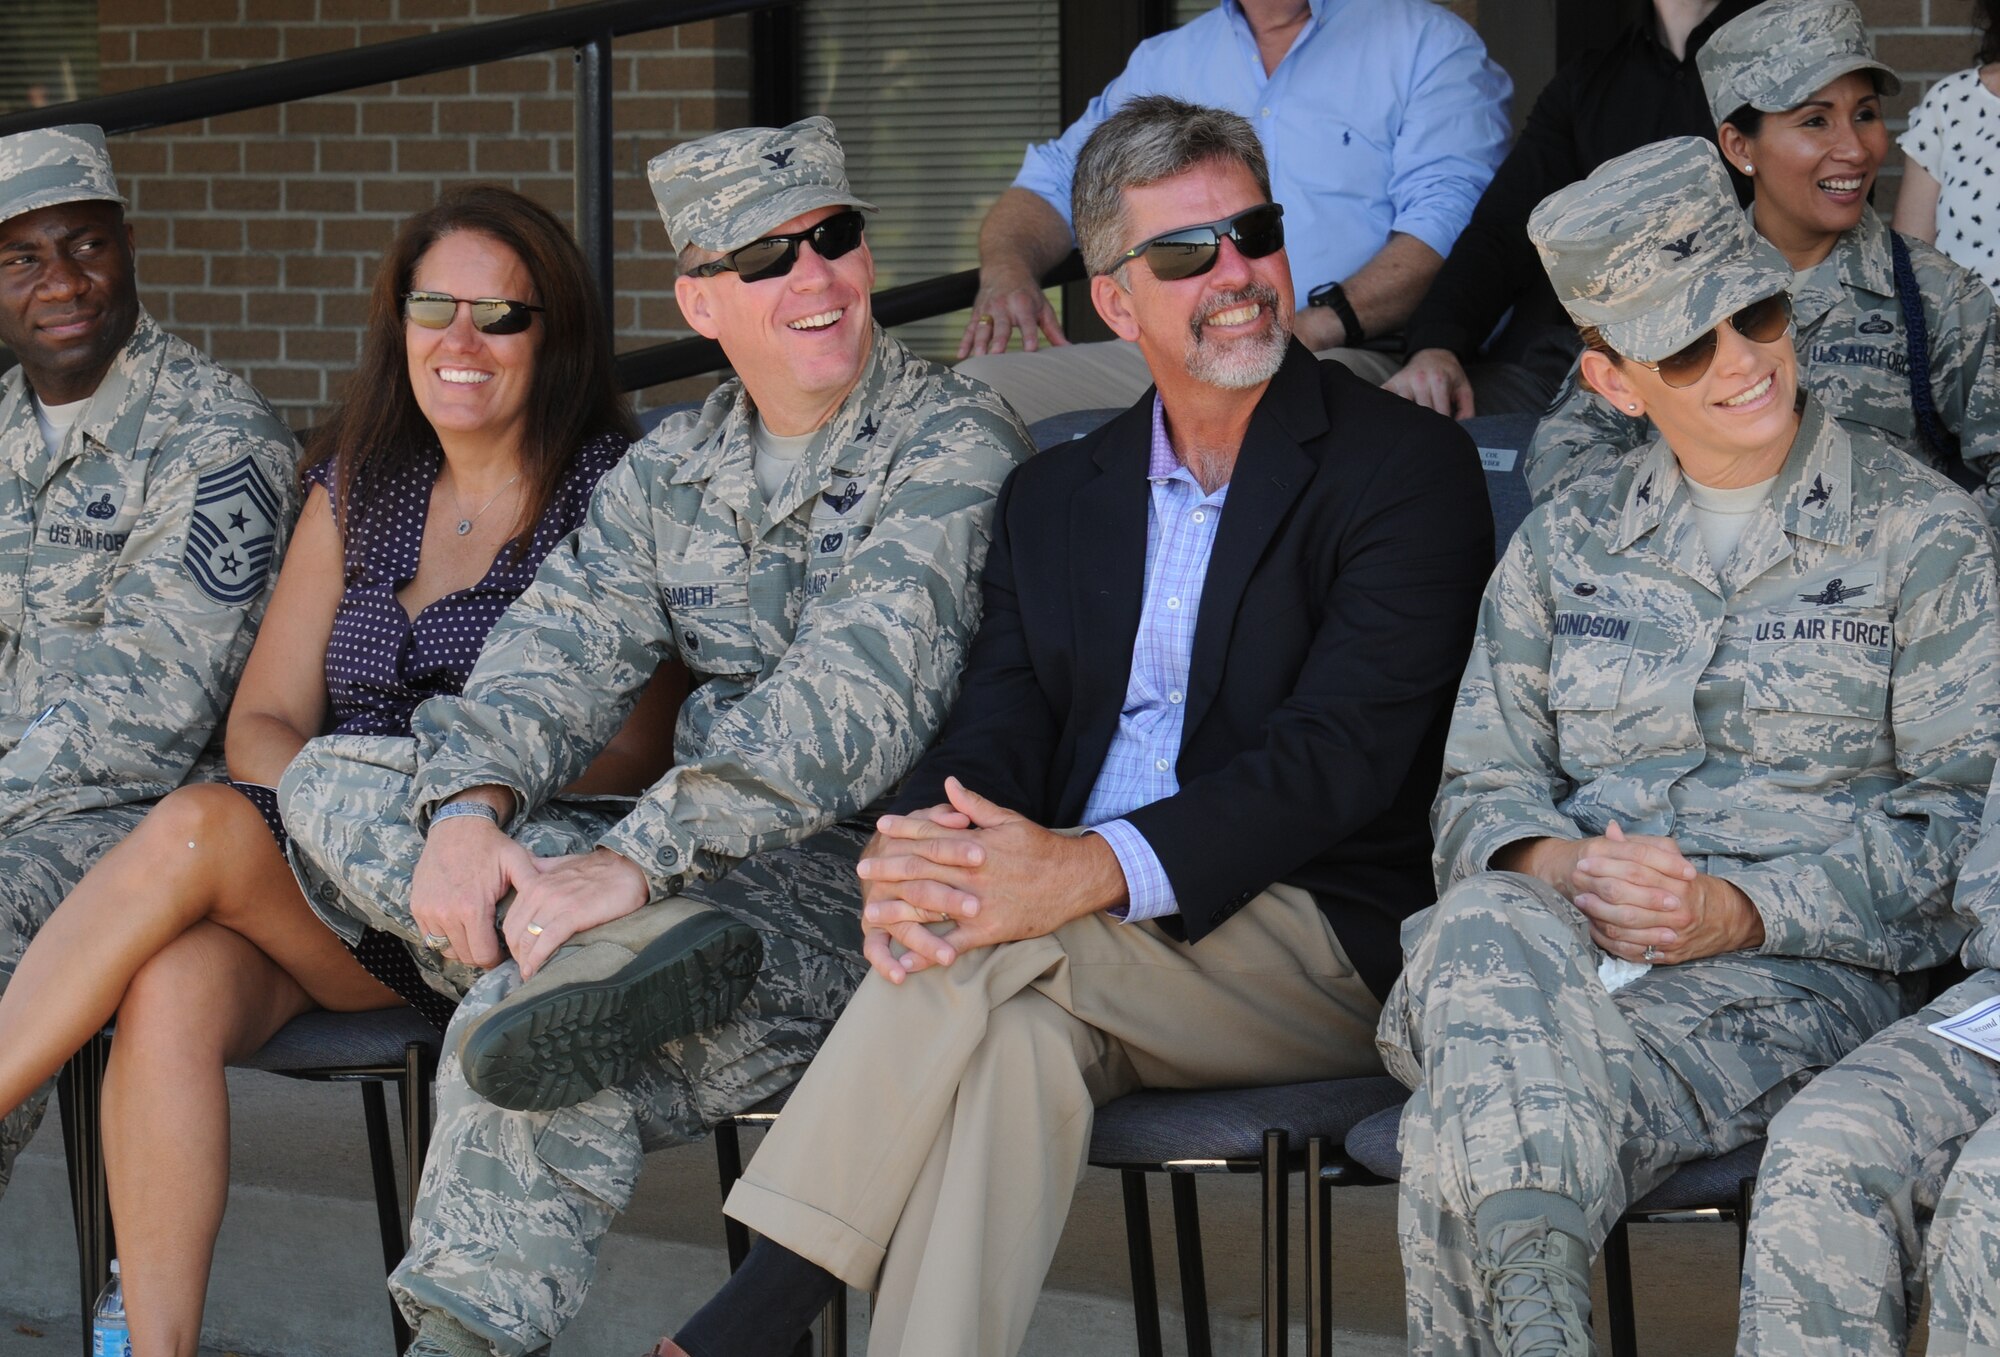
469, 864
944, 880
1638, 892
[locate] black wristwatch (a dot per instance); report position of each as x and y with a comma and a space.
1334, 297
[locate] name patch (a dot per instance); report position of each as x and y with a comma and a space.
1846, 631
690, 596
1594, 624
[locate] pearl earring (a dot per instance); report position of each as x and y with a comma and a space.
1748, 168
1633, 408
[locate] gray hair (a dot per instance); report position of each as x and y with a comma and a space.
1150, 138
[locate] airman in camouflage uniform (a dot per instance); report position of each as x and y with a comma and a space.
1904, 1131
1813, 724
825, 628
1853, 342
134, 557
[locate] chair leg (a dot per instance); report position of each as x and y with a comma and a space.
1746, 1189
80, 1093
388, 1215
413, 1096
1319, 1252
1618, 1292
729, 1167
833, 1326
1194, 1280
1139, 1245
1277, 1230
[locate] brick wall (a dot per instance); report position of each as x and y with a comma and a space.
1923, 40
259, 233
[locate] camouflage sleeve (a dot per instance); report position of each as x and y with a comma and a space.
1880, 897
1965, 384
1503, 772
1977, 899
132, 696
867, 680
565, 663
1580, 432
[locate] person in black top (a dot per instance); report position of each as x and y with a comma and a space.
1641, 88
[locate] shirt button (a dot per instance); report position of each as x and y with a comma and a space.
1174, 698
1173, 603
1160, 764
1200, 517
1263, 112
669, 856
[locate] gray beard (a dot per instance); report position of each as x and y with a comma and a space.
1238, 364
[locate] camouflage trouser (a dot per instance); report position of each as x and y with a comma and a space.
345, 801
1529, 1074
513, 1204
1857, 1163
39, 866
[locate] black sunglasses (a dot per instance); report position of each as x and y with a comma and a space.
1761, 322
1188, 251
773, 256
490, 315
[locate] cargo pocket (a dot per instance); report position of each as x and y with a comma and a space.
594, 1147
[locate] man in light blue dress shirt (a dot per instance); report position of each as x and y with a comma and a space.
1383, 121
1180, 809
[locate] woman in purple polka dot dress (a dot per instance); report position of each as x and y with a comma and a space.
481, 417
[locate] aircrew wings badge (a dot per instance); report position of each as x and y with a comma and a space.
233, 533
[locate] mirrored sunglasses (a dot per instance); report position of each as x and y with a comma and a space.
1189, 251
773, 256
490, 315
1761, 322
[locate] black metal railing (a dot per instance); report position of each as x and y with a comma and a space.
588, 29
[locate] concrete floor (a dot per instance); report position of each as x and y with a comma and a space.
299, 1268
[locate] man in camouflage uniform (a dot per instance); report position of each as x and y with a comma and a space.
149, 495
823, 595
1793, 745
1905, 1130
1853, 342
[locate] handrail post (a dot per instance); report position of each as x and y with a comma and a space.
593, 164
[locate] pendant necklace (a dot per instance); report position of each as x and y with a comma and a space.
465, 524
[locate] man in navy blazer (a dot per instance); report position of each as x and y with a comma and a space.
1173, 823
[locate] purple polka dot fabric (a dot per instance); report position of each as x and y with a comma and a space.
382, 664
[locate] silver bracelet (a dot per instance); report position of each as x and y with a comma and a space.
453, 810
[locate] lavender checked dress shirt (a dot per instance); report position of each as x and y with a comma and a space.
1139, 766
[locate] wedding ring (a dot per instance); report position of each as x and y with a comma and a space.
437, 942
986, 320
534, 930
1650, 954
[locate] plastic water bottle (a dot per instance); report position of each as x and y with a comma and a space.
110, 1336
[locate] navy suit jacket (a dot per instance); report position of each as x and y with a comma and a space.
1334, 625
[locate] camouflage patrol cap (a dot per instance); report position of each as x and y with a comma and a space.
724, 191
52, 165
1652, 248
1777, 55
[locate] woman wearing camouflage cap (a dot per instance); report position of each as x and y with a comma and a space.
1720, 747
1893, 338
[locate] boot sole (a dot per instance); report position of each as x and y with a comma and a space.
570, 1042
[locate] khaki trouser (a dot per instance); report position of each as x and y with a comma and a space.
931, 1150
1056, 380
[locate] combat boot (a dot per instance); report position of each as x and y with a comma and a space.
608, 998
1537, 1278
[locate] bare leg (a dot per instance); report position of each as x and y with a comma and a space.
207, 998
203, 853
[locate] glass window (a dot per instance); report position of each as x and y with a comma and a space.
934, 101
48, 52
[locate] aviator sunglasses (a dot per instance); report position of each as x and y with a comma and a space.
490, 315
1761, 322
1188, 251
773, 256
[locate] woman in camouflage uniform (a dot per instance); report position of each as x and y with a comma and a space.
1893, 339
1720, 747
